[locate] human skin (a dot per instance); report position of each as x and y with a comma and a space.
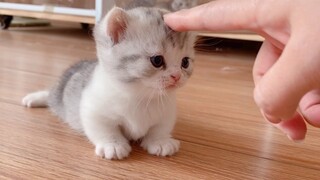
286, 70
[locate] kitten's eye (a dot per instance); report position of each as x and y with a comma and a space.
157, 61
185, 62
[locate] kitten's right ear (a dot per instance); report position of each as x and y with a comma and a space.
116, 24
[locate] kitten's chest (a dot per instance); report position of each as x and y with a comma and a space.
138, 119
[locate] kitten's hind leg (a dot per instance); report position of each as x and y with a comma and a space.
36, 99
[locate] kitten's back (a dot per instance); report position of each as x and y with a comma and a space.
64, 97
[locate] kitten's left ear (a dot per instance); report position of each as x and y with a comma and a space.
116, 22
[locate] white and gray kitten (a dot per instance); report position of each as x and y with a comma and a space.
129, 93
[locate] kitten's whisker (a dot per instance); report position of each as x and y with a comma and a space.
140, 97
161, 99
166, 95
158, 103
162, 94
149, 100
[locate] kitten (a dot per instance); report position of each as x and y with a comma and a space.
129, 93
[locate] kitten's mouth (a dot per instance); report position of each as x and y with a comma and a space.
172, 86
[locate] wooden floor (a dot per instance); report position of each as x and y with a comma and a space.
222, 134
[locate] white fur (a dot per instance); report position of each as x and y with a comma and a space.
111, 116
36, 99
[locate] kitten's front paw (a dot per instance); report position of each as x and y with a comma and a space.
113, 150
161, 147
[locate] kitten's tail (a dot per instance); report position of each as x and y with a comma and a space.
36, 99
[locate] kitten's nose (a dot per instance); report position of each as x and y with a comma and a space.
175, 76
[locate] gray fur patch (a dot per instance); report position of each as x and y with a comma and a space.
159, 22
177, 39
125, 61
169, 34
128, 79
64, 97
149, 12
124, 65
130, 58
182, 38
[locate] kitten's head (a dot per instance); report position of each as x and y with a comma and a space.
136, 47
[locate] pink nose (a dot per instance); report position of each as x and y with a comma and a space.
175, 77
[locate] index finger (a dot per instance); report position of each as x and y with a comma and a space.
215, 16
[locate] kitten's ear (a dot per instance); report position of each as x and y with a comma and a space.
117, 21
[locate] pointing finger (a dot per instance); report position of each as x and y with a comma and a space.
216, 15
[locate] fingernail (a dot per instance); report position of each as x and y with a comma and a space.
270, 118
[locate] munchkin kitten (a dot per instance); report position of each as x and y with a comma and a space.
129, 92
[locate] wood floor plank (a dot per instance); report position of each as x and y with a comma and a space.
222, 133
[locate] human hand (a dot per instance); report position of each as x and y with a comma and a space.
286, 71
